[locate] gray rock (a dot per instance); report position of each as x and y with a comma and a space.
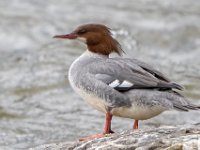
166, 137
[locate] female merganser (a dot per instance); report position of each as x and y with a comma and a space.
122, 87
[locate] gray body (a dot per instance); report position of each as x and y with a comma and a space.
125, 87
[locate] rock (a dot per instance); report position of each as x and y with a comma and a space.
166, 137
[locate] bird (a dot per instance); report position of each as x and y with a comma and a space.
119, 86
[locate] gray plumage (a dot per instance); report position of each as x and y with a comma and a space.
137, 84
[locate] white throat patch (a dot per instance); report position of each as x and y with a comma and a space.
82, 39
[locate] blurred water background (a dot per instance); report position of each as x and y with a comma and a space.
38, 106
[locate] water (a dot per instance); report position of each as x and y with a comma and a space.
38, 106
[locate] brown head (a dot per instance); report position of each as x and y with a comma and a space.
97, 37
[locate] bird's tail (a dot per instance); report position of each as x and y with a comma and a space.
184, 104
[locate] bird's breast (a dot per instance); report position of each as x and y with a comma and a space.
91, 99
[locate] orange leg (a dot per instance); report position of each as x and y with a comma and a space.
135, 126
107, 129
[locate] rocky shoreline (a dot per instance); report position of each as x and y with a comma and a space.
165, 137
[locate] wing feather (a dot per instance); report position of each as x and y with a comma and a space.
138, 74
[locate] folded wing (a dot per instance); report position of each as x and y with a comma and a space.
124, 74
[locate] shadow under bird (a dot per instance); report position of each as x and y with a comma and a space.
119, 86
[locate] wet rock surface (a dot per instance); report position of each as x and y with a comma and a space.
166, 137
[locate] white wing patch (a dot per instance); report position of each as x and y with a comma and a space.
114, 83
126, 84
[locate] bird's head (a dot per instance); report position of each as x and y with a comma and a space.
97, 37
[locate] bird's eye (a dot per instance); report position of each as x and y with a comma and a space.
82, 31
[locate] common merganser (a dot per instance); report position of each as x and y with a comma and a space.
123, 87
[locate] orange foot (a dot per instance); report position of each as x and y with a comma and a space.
100, 135
107, 129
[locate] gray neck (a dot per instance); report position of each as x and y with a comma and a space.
88, 55
79, 66
85, 58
